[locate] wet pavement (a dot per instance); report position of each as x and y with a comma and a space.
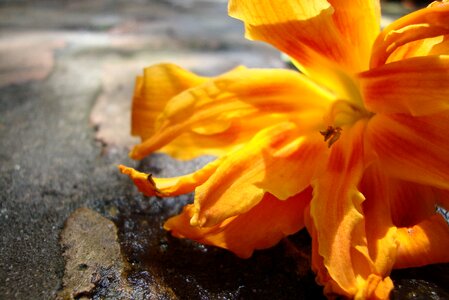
71, 226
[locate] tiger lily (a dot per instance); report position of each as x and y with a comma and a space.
354, 147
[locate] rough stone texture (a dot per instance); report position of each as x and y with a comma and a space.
47, 157
67, 72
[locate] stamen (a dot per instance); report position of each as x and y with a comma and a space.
158, 192
331, 135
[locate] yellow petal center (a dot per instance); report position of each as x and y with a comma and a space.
345, 111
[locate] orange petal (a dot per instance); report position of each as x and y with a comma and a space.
423, 244
336, 210
416, 86
379, 191
443, 199
412, 148
373, 287
278, 160
359, 23
213, 111
163, 187
427, 23
438, 45
259, 228
411, 203
390, 203
152, 91
191, 144
326, 42
340, 30
317, 261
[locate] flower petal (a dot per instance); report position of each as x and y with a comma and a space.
391, 202
412, 148
296, 28
190, 144
213, 111
152, 91
438, 45
423, 244
373, 287
406, 211
259, 228
416, 86
359, 23
339, 30
327, 40
336, 210
279, 160
443, 199
423, 24
163, 187
411, 203
379, 191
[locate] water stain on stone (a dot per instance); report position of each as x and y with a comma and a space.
95, 268
134, 258
195, 271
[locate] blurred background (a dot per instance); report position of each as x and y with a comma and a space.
67, 72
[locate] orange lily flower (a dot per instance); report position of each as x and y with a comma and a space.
367, 194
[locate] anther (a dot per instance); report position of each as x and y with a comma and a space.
331, 135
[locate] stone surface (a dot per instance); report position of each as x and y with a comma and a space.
95, 267
26, 57
92, 252
67, 71
418, 289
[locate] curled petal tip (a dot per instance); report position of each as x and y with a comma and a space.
133, 154
143, 181
124, 170
194, 220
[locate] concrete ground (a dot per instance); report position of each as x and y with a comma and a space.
71, 226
